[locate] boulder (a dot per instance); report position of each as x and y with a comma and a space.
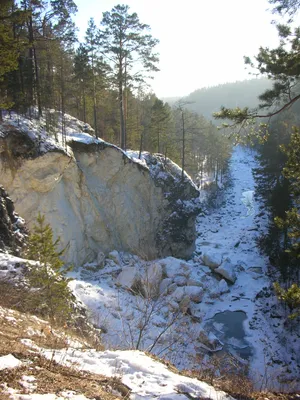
220, 289
195, 293
211, 259
193, 282
165, 286
173, 267
223, 287
227, 270
180, 280
178, 294
128, 277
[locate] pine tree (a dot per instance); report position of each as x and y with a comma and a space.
48, 276
124, 43
10, 47
291, 297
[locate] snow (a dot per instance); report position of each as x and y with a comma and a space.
9, 361
147, 378
38, 130
225, 232
63, 395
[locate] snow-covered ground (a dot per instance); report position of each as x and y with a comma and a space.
144, 377
181, 320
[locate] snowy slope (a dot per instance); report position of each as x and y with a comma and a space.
23, 377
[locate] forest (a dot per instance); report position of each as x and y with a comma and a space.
103, 81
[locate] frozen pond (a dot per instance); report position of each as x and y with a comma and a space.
228, 327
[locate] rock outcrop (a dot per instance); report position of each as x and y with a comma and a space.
12, 227
96, 198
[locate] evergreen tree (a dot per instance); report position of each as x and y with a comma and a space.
91, 44
10, 47
160, 125
124, 43
48, 275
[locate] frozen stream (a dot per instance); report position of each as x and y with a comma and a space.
221, 316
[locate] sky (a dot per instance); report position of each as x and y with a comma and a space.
202, 42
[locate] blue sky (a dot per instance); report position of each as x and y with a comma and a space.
202, 42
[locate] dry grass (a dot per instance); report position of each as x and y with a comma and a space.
22, 300
50, 376
240, 387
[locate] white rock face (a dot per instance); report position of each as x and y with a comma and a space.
211, 259
227, 270
97, 199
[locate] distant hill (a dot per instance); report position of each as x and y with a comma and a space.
170, 100
206, 101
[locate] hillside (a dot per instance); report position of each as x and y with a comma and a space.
208, 100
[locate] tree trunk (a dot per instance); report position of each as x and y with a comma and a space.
84, 104
183, 145
122, 118
35, 66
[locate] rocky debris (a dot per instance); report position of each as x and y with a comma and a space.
220, 289
12, 227
211, 259
256, 270
194, 293
227, 270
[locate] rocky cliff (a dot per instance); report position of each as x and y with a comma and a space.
97, 198
12, 227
